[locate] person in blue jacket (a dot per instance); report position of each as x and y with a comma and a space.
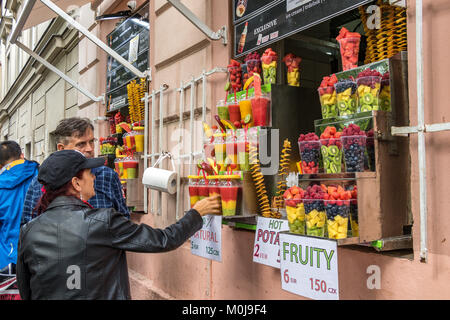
16, 174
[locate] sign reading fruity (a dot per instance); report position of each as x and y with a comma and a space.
207, 242
309, 266
267, 241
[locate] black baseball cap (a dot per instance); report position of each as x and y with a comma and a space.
61, 166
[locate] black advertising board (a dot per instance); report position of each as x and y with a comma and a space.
284, 18
131, 41
246, 8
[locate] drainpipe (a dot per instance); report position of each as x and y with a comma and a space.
421, 133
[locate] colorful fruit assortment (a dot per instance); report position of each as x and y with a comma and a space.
327, 94
295, 209
108, 145
314, 211
269, 66
253, 62
309, 146
349, 45
235, 71
346, 97
293, 69
331, 150
354, 144
337, 206
385, 93
369, 85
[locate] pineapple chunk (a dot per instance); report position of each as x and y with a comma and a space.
342, 230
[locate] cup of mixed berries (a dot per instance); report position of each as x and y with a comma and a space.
309, 146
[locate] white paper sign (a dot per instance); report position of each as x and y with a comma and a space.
207, 242
267, 243
309, 266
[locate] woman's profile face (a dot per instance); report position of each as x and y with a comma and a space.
87, 184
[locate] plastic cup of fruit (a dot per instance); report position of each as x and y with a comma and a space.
139, 138
295, 211
222, 110
245, 106
309, 156
131, 166
220, 148
193, 190
203, 189
349, 48
269, 69
331, 150
346, 102
229, 191
385, 95
235, 77
315, 217
328, 102
368, 93
234, 110
337, 218
231, 148
354, 151
118, 165
253, 66
261, 110
354, 218
293, 74
214, 188
243, 155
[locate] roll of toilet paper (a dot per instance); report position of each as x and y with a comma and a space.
160, 179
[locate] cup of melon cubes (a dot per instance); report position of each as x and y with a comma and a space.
315, 217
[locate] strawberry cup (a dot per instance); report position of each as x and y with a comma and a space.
235, 77
315, 217
354, 151
253, 66
331, 150
193, 190
337, 218
328, 102
368, 93
349, 48
310, 156
296, 215
229, 191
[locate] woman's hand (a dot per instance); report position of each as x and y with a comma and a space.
211, 205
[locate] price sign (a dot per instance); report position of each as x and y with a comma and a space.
267, 241
207, 242
309, 266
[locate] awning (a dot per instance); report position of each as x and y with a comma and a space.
41, 13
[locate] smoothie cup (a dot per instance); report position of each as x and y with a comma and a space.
245, 106
193, 190
131, 166
315, 217
231, 149
234, 111
296, 216
261, 111
139, 138
214, 187
229, 191
337, 218
222, 110
354, 152
203, 189
220, 148
331, 150
243, 150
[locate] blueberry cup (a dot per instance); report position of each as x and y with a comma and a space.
354, 153
309, 156
315, 217
337, 218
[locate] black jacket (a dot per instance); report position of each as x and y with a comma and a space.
72, 251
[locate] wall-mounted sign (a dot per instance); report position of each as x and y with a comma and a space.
284, 18
309, 266
131, 41
267, 241
207, 242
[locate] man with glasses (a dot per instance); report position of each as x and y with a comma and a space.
78, 134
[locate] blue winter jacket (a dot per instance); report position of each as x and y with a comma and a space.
14, 182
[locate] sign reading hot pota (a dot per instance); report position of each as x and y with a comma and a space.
309, 266
207, 242
278, 20
267, 241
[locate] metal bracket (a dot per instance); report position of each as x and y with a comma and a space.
188, 14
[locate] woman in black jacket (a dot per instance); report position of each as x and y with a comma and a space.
72, 251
